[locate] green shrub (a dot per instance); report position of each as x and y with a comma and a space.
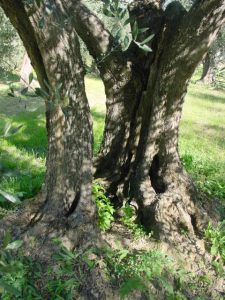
216, 239
129, 219
145, 271
24, 279
105, 209
152, 273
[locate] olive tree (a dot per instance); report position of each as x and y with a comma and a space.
146, 72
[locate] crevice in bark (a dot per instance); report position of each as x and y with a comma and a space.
194, 224
74, 204
156, 180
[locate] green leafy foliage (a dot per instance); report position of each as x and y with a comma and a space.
24, 279
11, 50
148, 272
125, 28
104, 207
11, 268
129, 219
153, 275
143, 271
216, 239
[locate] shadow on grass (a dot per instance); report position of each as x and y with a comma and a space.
22, 156
7, 77
208, 97
32, 137
213, 134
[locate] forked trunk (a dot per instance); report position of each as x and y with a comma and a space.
147, 167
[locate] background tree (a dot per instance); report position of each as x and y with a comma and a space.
214, 59
25, 71
11, 49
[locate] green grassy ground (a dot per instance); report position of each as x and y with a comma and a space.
202, 138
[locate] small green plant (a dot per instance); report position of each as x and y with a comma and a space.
63, 282
129, 219
144, 271
104, 207
11, 268
216, 239
24, 279
154, 275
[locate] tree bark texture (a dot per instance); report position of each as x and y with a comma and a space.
139, 158
54, 50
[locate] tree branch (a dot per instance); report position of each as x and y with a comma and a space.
91, 30
15, 11
193, 33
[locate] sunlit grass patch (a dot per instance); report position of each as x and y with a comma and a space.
202, 138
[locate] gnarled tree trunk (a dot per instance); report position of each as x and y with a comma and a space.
139, 157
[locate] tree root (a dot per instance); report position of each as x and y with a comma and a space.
38, 232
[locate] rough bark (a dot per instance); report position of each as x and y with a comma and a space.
55, 54
139, 156
146, 166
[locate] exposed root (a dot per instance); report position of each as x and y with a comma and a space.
174, 217
31, 225
171, 213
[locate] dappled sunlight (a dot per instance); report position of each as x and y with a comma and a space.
202, 127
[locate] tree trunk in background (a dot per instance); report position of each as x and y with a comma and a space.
25, 71
209, 70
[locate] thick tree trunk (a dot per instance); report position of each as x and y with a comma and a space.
146, 168
139, 156
55, 54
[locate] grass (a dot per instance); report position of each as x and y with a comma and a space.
202, 138
202, 147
